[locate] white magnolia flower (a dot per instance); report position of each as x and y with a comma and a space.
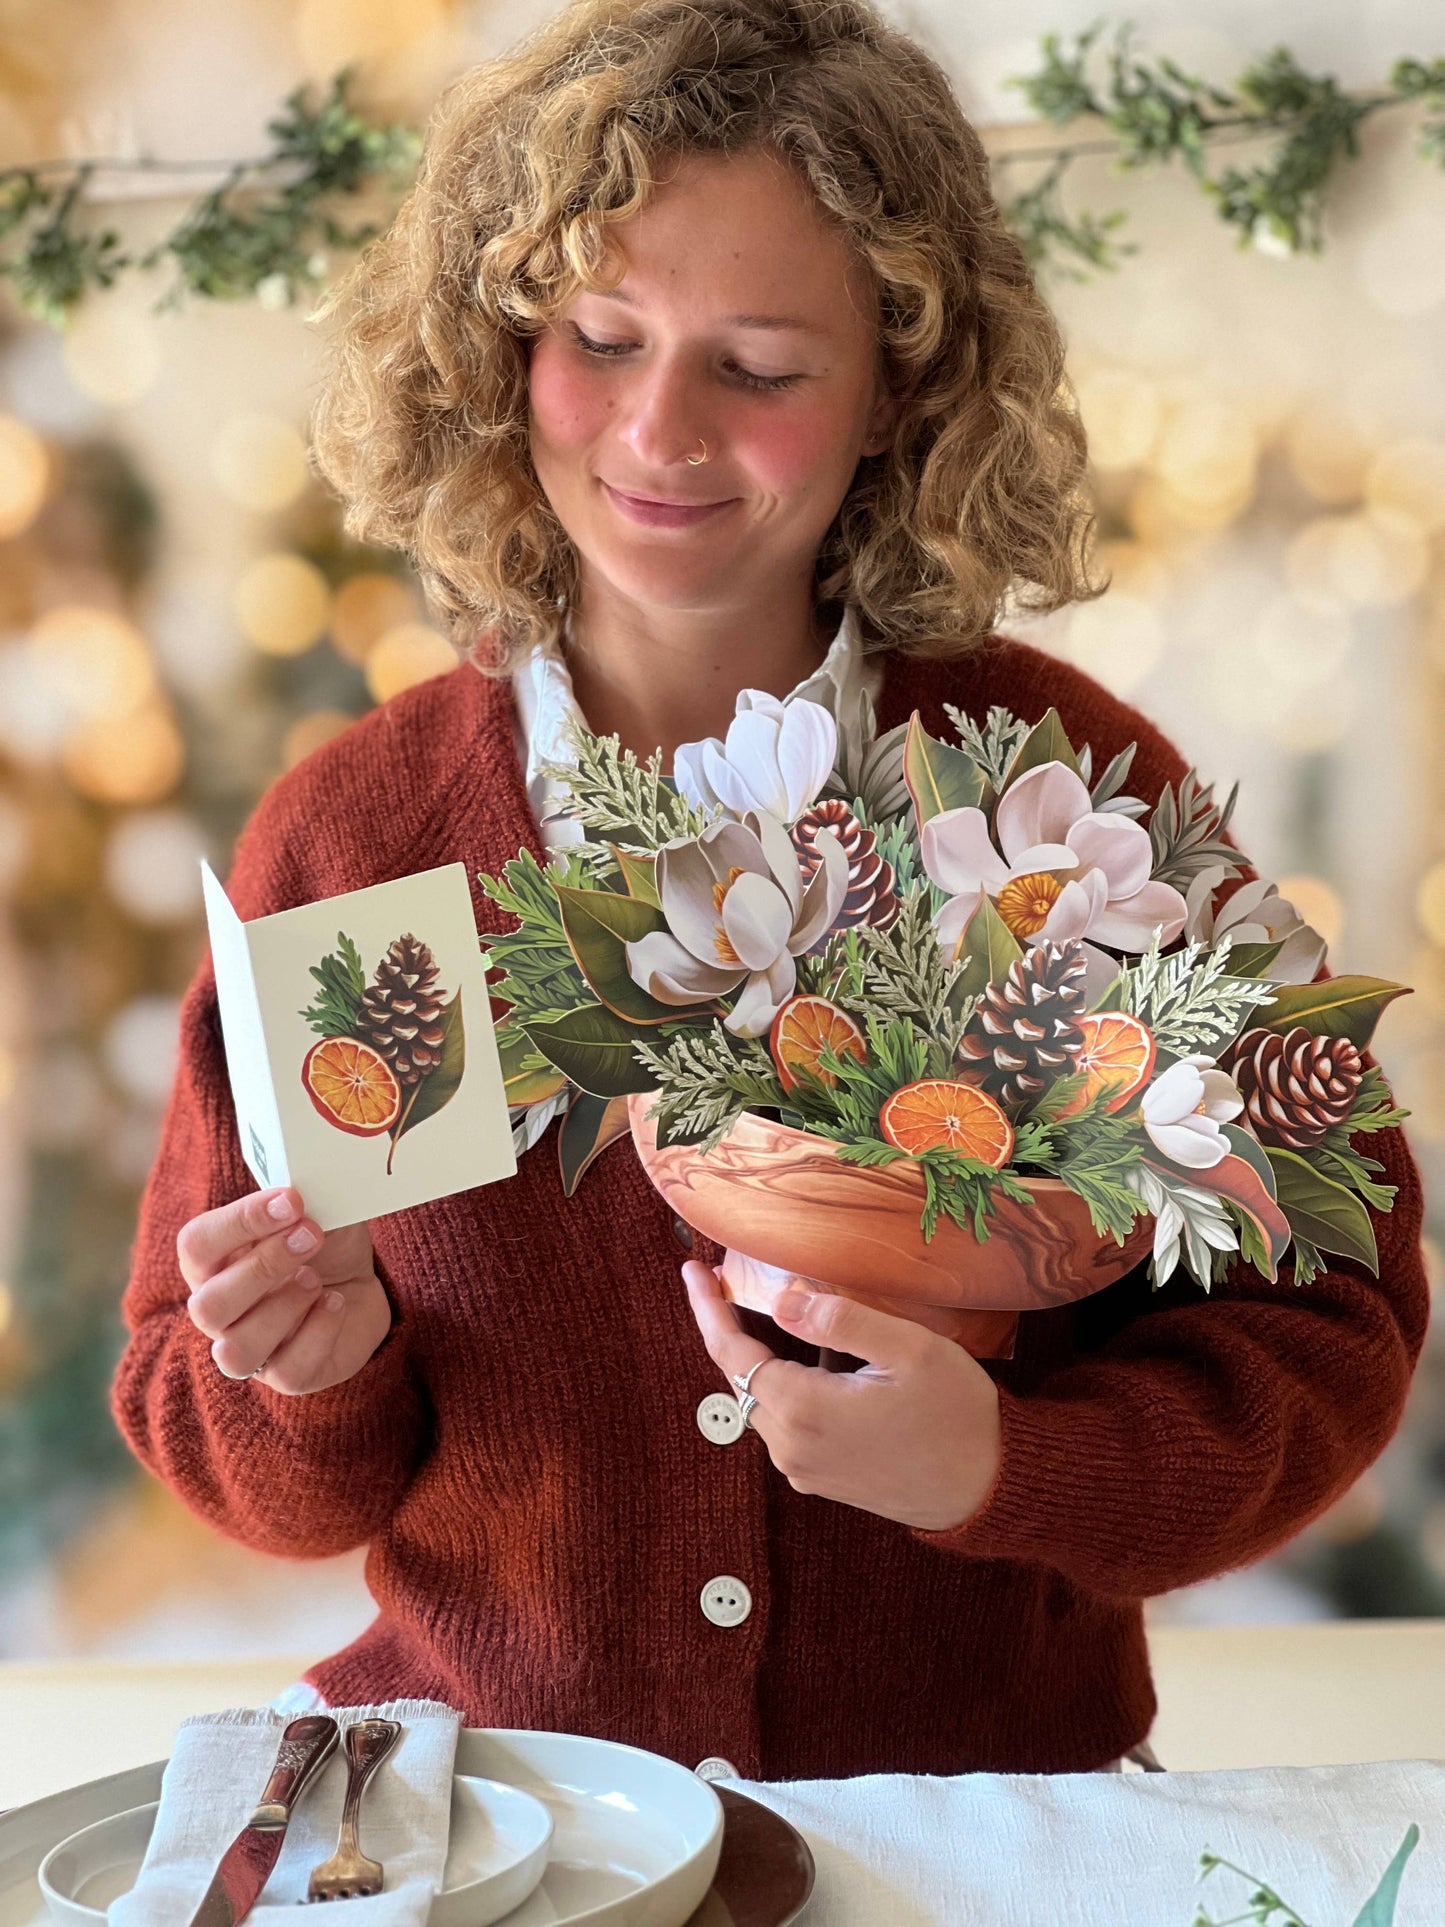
737, 915
1256, 913
776, 758
1061, 869
1184, 1108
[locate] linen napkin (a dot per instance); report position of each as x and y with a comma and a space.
1114, 1850
214, 1778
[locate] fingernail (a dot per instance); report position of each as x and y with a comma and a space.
303, 1238
334, 1301
307, 1278
280, 1207
791, 1303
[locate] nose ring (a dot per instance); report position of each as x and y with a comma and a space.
696, 461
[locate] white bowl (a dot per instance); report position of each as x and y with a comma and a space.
496, 1851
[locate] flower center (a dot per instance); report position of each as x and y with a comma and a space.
1024, 903
726, 955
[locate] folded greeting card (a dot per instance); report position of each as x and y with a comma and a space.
360, 1047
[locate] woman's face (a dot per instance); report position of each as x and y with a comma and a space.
742, 322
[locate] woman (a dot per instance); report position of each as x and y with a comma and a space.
694, 364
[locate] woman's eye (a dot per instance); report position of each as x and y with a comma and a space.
610, 349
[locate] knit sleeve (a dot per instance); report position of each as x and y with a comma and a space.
1192, 1434
299, 1476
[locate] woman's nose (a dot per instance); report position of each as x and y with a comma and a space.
665, 417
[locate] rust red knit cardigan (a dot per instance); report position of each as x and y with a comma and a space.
522, 1455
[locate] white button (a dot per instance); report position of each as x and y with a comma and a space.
716, 1768
720, 1418
726, 1601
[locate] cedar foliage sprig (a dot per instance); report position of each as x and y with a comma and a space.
612, 793
994, 745
1189, 1005
336, 1011
543, 980
707, 1079
905, 974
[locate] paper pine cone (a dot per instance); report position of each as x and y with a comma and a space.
1024, 1034
1295, 1087
401, 1013
871, 898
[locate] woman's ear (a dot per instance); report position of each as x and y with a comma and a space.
881, 424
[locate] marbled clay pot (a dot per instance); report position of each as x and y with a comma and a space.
783, 1201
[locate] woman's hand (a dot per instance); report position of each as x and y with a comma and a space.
271, 1291
913, 1436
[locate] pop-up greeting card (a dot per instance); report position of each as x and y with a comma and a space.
360, 1047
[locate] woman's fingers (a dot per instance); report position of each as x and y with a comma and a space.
304, 1362
217, 1303
728, 1345
246, 1344
211, 1241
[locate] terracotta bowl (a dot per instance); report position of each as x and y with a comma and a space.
783, 1202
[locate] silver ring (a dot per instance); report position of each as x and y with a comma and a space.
741, 1379
745, 1406
246, 1377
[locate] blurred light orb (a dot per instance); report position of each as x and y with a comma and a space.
364, 608
1408, 479
1119, 640
139, 1047
74, 1102
259, 462
153, 865
1318, 902
24, 475
309, 732
96, 662
1122, 412
1400, 262
1301, 643
1427, 976
129, 1146
283, 604
127, 759
411, 653
1373, 559
1328, 454
1133, 569
1320, 719
1207, 452
193, 630
1156, 516
113, 351
1430, 903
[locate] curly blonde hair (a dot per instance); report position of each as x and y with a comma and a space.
422, 422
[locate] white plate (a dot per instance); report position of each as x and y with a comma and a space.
635, 1843
496, 1849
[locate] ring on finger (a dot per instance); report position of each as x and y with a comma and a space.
745, 1407
741, 1379
245, 1376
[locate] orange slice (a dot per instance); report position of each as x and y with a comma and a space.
352, 1086
802, 1030
1118, 1052
937, 1113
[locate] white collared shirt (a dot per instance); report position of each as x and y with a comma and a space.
546, 705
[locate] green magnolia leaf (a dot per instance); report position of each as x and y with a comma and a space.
1322, 1211
1116, 997
599, 925
1046, 742
438, 1087
591, 1124
593, 1047
1339, 1007
1379, 1909
1253, 959
637, 872
940, 777
527, 1077
988, 947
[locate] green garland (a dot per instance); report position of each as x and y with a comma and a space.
248, 238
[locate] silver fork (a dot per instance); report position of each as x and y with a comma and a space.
348, 1874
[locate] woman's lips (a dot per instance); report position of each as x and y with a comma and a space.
661, 515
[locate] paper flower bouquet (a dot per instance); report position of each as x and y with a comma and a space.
957, 1028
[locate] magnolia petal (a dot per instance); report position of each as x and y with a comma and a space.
673, 975
726, 782
1041, 807
807, 744
1128, 923
958, 851
952, 920
1195, 1142
1044, 856
689, 774
752, 756
823, 898
757, 919
687, 875
1100, 970
1222, 1099
1303, 953
753, 1013
1117, 846
1242, 905
1174, 1094
1080, 901
779, 855
761, 700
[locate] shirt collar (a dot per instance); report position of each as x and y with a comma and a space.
547, 706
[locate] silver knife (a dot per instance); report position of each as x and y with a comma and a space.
306, 1745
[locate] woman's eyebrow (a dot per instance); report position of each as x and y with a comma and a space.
776, 322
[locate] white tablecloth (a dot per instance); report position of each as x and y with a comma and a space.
1114, 1850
